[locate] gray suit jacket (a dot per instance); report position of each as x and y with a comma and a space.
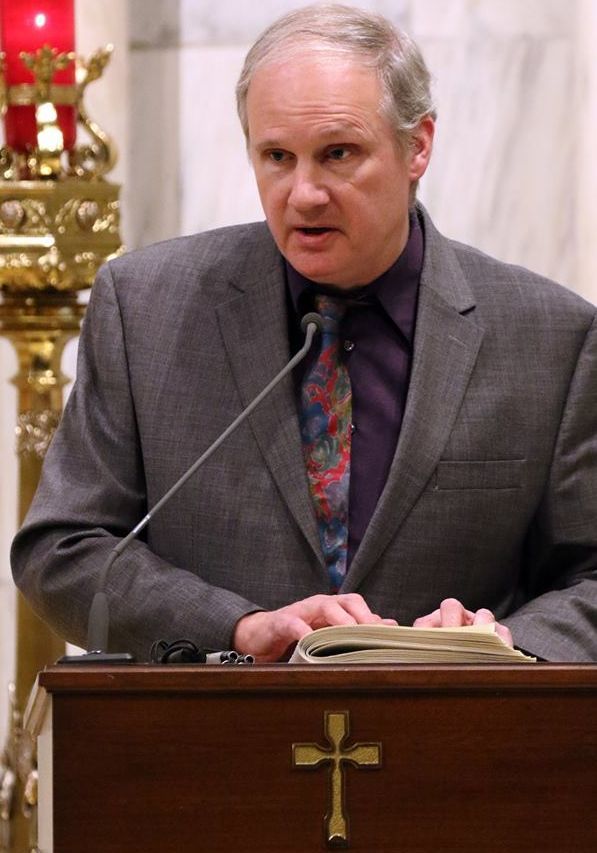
491, 498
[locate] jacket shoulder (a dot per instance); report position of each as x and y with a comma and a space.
221, 251
497, 281
467, 276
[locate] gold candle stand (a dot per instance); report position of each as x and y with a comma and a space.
59, 221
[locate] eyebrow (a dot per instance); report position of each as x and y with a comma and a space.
333, 132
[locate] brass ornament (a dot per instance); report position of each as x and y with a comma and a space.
3, 87
24, 94
336, 754
59, 221
22, 216
87, 216
91, 160
34, 431
9, 760
56, 233
12, 215
98, 157
44, 63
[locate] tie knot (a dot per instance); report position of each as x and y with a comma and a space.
331, 310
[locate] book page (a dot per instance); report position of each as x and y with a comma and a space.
401, 644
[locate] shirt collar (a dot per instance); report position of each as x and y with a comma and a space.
395, 290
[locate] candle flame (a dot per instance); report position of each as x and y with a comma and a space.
40, 20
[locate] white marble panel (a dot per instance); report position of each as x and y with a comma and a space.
537, 18
464, 19
501, 171
586, 163
154, 190
165, 23
216, 180
154, 23
241, 21
100, 23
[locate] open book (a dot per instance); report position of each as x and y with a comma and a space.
398, 644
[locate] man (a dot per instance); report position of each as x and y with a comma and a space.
464, 489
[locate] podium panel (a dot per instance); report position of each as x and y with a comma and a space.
382, 759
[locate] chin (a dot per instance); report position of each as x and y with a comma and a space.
330, 279
321, 273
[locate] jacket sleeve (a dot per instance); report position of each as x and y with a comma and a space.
91, 493
559, 622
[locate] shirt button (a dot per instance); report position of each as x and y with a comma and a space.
348, 346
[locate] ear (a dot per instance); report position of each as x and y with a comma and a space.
421, 145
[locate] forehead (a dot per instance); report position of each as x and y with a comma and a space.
311, 86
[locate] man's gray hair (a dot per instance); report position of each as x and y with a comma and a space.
372, 38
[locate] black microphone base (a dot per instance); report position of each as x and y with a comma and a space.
108, 658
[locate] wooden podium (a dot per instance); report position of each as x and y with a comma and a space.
381, 759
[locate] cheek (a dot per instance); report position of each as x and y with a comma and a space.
391, 199
273, 205
364, 208
270, 193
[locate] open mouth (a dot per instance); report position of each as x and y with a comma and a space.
314, 230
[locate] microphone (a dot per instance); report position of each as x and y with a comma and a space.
98, 626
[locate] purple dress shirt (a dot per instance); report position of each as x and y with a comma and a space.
378, 334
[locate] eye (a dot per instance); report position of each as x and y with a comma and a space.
339, 152
277, 155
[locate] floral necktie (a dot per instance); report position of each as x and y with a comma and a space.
325, 418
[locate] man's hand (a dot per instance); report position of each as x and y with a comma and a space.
452, 614
269, 634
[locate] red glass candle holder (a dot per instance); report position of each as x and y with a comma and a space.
26, 26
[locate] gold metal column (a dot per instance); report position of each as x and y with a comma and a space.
38, 325
59, 221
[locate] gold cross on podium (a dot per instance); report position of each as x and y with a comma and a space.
359, 755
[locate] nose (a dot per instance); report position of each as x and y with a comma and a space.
308, 189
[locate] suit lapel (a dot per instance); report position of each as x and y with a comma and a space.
253, 325
445, 351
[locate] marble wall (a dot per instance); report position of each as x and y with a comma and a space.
513, 170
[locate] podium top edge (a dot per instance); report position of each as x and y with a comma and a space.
347, 678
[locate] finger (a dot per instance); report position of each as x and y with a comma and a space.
504, 633
453, 614
355, 605
358, 608
310, 609
287, 630
431, 620
267, 635
288, 627
323, 610
334, 613
483, 616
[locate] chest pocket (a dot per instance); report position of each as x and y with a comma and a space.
485, 474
